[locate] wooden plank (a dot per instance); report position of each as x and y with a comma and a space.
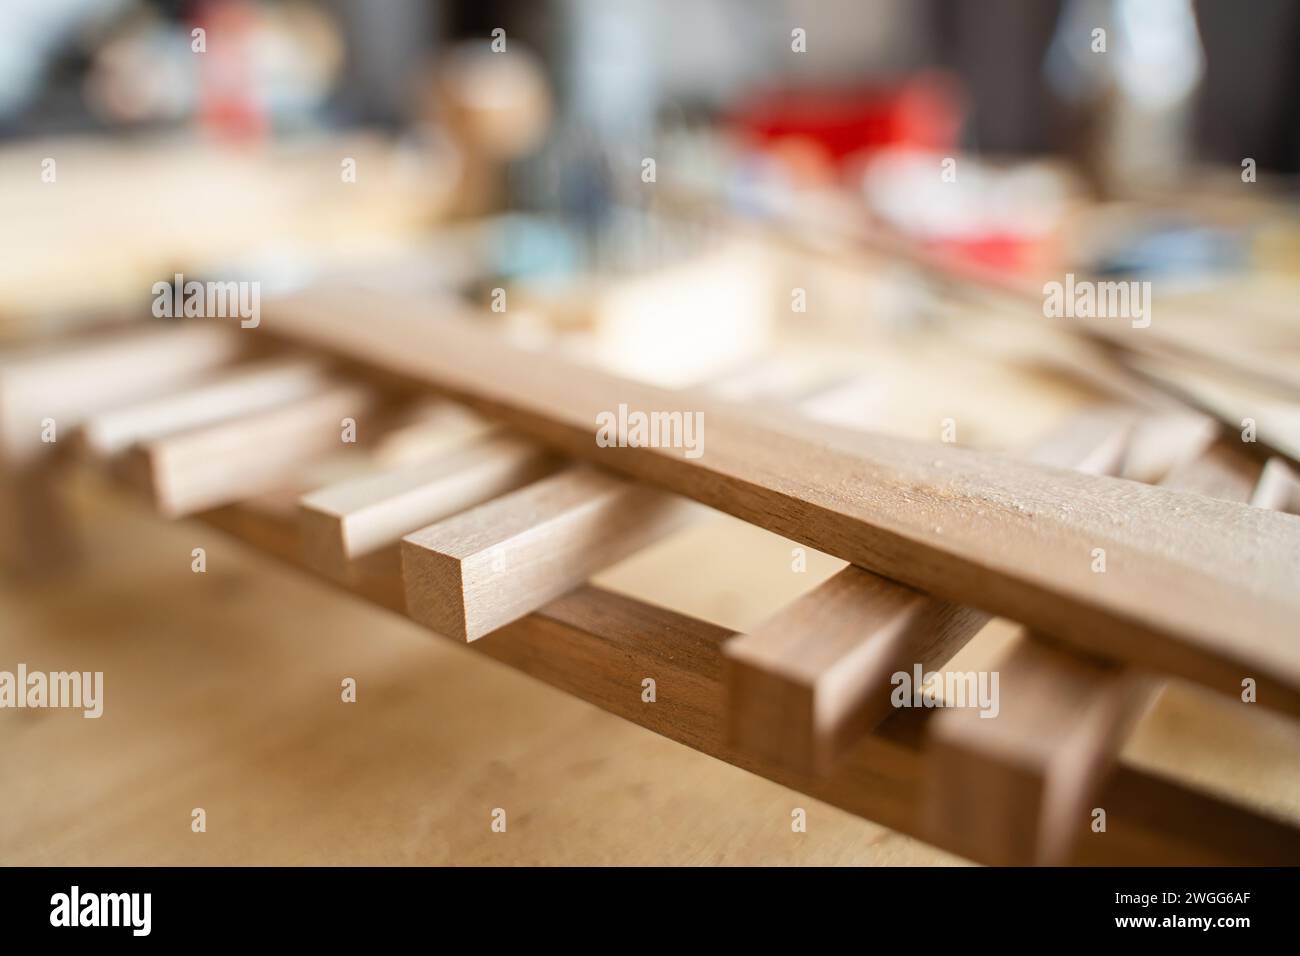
1197, 587
810, 681
1012, 789
69, 381
345, 521
215, 465
1224, 472
814, 678
241, 391
1094, 441
474, 572
1161, 443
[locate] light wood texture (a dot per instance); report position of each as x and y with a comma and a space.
1223, 471
1012, 788
346, 521
221, 463
240, 391
1094, 442
1201, 588
804, 686
67, 382
474, 572
816, 676
1161, 443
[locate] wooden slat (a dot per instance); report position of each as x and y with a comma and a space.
346, 521
1094, 442
1224, 472
481, 569
69, 381
221, 463
1196, 587
811, 680
241, 391
1011, 789
807, 683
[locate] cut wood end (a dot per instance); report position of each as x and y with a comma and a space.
770, 716
435, 589
138, 469
322, 539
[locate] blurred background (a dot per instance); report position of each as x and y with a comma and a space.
828, 111
850, 206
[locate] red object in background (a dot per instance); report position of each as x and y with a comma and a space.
923, 112
229, 106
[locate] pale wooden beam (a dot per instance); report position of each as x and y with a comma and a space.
1011, 787
215, 465
346, 521
476, 571
240, 391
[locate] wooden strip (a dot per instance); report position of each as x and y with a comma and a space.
1224, 472
1012, 788
1197, 587
345, 521
242, 391
67, 382
221, 463
814, 678
472, 573
806, 684
1161, 443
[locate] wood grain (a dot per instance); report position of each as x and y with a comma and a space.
240, 391
345, 521
808, 682
1196, 587
217, 464
1012, 789
69, 381
476, 571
